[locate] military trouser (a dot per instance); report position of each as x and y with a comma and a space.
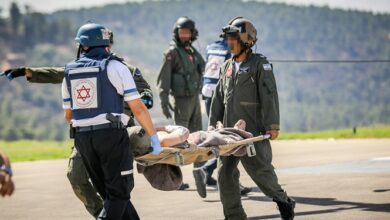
82, 187
207, 103
188, 113
260, 170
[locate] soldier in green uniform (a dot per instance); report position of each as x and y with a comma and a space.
181, 76
77, 173
247, 90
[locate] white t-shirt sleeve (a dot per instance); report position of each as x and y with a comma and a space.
65, 96
121, 78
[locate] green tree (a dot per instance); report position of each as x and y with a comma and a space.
16, 18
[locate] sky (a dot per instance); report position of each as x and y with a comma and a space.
376, 6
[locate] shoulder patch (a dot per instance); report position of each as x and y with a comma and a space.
229, 71
116, 57
262, 56
267, 66
168, 56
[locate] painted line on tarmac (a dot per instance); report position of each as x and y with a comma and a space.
380, 158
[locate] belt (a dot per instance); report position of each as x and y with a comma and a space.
99, 127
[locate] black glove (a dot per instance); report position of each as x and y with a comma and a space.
147, 99
13, 73
166, 112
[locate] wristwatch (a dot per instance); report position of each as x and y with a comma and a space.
6, 169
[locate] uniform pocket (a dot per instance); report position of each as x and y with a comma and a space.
249, 104
270, 85
178, 84
250, 108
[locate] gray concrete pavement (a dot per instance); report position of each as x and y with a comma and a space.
330, 179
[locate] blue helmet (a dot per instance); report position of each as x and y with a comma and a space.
93, 35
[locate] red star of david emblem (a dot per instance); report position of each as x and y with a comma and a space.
214, 66
83, 93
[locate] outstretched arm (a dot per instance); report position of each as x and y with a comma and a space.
45, 74
172, 135
37, 74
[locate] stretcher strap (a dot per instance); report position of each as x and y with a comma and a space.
170, 152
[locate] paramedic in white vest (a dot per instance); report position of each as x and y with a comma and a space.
216, 54
93, 91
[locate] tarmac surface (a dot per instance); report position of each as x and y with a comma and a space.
329, 179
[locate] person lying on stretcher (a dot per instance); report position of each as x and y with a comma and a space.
179, 136
169, 177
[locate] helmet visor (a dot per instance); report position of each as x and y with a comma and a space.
230, 29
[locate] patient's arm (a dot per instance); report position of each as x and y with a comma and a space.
172, 135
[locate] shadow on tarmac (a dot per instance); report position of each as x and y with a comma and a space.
344, 205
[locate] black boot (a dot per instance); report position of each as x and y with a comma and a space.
286, 209
184, 186
200, 176
245, 190
211, 181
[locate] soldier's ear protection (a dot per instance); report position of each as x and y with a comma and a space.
194, 35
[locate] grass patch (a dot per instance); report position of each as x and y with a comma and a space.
30, 150
379, 131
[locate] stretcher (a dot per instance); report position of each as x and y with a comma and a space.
188, 153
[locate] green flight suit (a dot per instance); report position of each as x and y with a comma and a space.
77, 173
251, 95
181, 76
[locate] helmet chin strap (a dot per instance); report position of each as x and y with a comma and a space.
243, 50
79, 51
239, 54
